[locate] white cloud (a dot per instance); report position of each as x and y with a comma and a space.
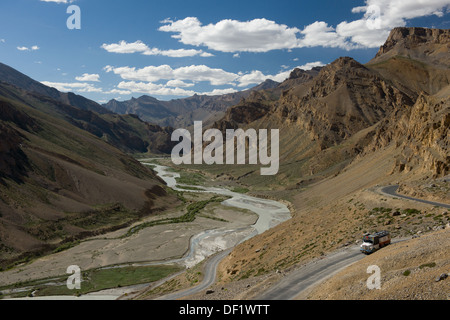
310, 65
165, 72
145, 80
179, 83
88, 77
124, 47
58, 1
23, 48
117, 91
154, 89
140, 47
258, 35
262, 35
218, 92
371, 31
320, 34
2, 40
76, 86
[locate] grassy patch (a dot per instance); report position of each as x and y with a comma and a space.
428, 265
240, 190
192, 210
100, 279
191, 178
411, 211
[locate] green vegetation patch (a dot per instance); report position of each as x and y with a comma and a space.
101, 279
428, 265
240, 190
192, 210
191, 178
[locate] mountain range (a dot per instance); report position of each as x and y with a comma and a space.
67, 167
181, 113
348, 109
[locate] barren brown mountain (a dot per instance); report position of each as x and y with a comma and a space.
60, 181
386, 119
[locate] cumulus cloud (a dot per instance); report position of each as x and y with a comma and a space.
144, 80
262, 35
88, 77
23, 48
165, 72
140, 47
218, 92
153, 89
179, 83
380, 16
75, 86
258, 35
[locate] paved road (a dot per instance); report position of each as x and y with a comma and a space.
312, 273
392, 191
303, 278
208, 279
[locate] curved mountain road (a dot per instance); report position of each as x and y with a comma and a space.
303, 278
311, 274
208, 280
392, 191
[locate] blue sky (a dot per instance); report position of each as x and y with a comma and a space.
173, 49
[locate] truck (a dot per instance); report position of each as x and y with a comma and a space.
375, 241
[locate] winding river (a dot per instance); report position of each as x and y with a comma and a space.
270, 213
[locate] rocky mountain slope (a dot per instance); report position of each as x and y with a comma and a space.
328, 118
389, 131
126, 132
412, 270
61, 177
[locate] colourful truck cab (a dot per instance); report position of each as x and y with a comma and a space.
375, 241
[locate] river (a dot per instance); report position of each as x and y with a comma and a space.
270, 213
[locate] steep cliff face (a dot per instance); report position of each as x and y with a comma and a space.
417, 43
421, 133
415, 59
343, 99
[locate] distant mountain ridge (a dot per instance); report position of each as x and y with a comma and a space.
182, 112
18, 79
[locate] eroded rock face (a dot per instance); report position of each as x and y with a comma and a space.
402, 39
422, 134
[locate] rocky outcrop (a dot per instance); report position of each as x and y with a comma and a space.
406, 41
344, 98
422, 135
